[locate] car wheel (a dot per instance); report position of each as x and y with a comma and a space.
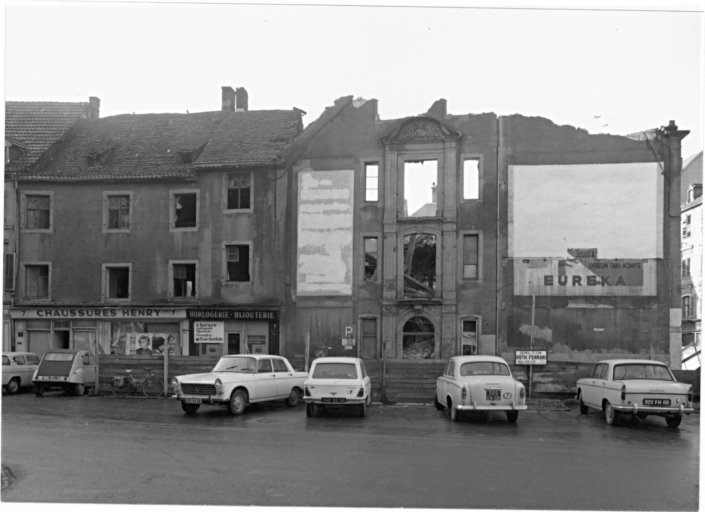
611, 416
38, 389
674, 421
238, 401
13, 386
437, 404
581, 404
293, 399
79, 389
512, 416
309, 410
190, 408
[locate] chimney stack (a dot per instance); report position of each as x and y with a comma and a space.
93, 107
228, 99
241, 99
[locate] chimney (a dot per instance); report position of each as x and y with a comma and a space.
434, 194
241, 98
93, 107
228, 99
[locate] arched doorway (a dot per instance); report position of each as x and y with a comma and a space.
418, 338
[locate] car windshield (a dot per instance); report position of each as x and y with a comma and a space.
236, 364
335, 371
641, 371
484, 368
58, 356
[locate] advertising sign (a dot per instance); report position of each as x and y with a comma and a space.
209, 332
530, 357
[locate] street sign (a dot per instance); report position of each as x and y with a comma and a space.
530, 357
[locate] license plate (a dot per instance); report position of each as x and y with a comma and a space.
334, 399
657, 401
492, 395
192, 400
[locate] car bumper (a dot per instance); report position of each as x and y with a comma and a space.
475, 407
211, 399
640, 409
348, 401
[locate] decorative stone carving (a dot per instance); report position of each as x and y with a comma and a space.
420, 128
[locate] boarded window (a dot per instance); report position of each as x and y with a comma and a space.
37, 281
371, 182
370, 258
185, 210
471, 179
185, 280
118, 281
419, 265
238, 263
119, 212
38, 211
239, 191
369, 338
470, 256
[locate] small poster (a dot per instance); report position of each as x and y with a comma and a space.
209, 332
150, 344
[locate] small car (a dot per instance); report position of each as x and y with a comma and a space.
635, 387
337, 382
67, 369
239, 380
479, 384
17, 370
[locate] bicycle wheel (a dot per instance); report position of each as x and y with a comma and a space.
121, 387
153, 387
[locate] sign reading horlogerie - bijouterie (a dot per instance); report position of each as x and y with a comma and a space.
232, 314
530, 357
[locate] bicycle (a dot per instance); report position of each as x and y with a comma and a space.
151, 385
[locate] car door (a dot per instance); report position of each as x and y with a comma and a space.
589, 391
284, 377
601, 385
265, 382
88, 369
21, 369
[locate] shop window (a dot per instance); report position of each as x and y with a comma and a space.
419, 265
184, 207
116, 282
36, 282
118, 211
371, 182
685, 267
471, 256
420, 194
471, 179
184, 279
418, 339
238, 263
371, 257
687, 306
38, 208
469, 341
239, 191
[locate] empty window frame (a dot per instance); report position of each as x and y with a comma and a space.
239, 191
117, 282
183, 279
471, 178
371, 182
371, 259
38, 207
117, 211
687, 306
184, 209
237, 263
420, 189
471, 256
37, 278
469, 337
419, 265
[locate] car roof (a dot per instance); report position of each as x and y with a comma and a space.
477, 359
632, 361
256, 356
65, 350
19, 354
336, 359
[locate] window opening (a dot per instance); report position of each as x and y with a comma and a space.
686, 226
469, 341
685, 267
119, 283
420, 194
119, 212
471, 179
38, 211
419, 340
37, 281
238, 262
686, 306
419, 265
184, 280
371, 182
239, 191
370, 258
185, 210
470, 256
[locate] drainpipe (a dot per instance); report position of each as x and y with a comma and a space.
497, 255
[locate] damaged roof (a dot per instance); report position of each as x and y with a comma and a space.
34, 126
147, 146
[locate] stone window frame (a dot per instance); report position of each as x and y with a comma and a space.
172, 210
226, 180
379, 349
224, 269
378, 274
23, 280
23, 210
107, 194
105, 275
171, 293
364, 163
478, 322
480, 158
690, 306
420, 228
461, 254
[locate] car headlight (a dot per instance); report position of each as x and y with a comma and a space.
218, 387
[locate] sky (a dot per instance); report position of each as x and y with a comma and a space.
619, 69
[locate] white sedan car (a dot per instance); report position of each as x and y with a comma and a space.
239, 380
17, 370
479, 384
337, 382
636, 387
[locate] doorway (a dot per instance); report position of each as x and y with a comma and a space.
62, 339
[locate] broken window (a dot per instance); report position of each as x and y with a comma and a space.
471, 256
420, 195
184, 280
471, 179
185, 207
419, 265
118, 282
119, 212
371, 182
370, 258
238, 262
469, 341
418, 339
36, 281
239, 191
38, 211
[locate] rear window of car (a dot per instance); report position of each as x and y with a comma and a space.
56, 356
5, 361
32, 359
483, 368
335, 371
641, 371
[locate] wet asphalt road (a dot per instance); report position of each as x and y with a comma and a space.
139, 451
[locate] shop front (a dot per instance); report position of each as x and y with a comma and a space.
217, 332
